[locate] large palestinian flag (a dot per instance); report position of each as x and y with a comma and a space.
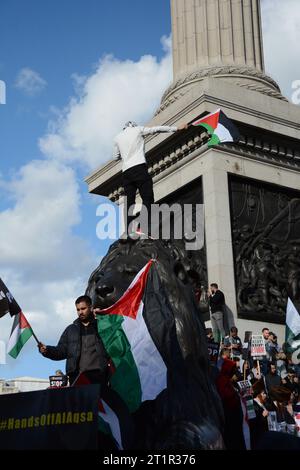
292, 332
220, 127
7, 301
139, 334
20, 333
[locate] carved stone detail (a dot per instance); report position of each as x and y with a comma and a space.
266, 245
237, 75
248, 146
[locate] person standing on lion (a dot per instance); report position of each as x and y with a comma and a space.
129, 146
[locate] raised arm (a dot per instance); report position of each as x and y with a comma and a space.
157, 129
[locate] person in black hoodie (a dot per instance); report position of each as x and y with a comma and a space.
81, 345
216, 301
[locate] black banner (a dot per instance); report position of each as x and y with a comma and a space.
7, 301
65, 418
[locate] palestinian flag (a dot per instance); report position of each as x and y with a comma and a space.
139, 334
292, 331
114, 419
20, 333
220, 127
109, 423
7, 301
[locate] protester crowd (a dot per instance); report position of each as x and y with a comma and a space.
260, 394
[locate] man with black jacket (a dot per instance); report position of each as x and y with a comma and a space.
216, 301
81, 346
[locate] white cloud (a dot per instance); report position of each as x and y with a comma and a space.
118, 91
43, 263
30, 82
36, 234
281, 35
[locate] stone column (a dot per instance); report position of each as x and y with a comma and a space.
220, 39
216, 32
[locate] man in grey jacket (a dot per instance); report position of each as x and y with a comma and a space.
129, 145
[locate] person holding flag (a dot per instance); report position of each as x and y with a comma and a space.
129, 146
81, 345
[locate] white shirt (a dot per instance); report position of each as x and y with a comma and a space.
130, 145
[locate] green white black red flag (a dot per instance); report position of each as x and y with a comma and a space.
219, 127
20, 333
139, 334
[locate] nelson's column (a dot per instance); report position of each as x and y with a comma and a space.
250, 190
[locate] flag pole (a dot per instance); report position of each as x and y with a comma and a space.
33, 333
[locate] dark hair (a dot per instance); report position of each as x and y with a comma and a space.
214, 285
264, 329
233, 328
271, 333
223, 351
84, 298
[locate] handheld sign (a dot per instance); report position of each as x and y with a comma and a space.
258, 348
245, 387
58, 380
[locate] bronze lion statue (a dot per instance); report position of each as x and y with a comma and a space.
188, 414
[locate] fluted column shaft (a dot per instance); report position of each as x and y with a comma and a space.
216, 32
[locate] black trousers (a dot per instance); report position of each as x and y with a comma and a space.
138, 178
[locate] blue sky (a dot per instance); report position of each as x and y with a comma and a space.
44, 45
74, 72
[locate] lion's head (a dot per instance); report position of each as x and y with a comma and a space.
178, 271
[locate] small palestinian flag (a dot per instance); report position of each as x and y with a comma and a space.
20, 333
139, 334
7, 302
220, 127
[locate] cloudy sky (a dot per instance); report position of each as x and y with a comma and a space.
74, 72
